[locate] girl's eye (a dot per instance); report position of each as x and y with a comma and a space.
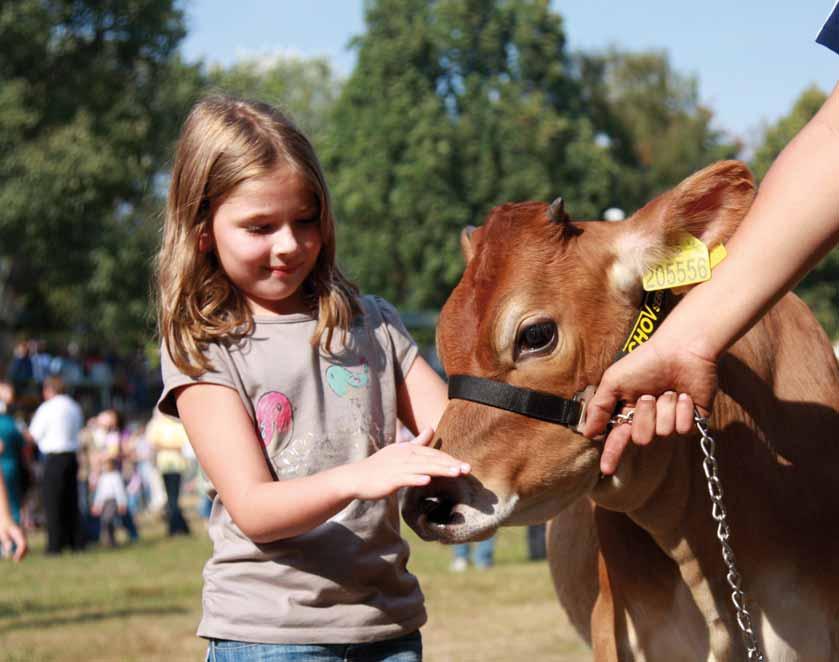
258, 229
309, 220
538, 338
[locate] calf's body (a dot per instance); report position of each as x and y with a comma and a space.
544, 304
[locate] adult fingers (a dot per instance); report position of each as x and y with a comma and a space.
599, 411
20, 543
684, 414
643, 421
615, 444
5, 541
665, 414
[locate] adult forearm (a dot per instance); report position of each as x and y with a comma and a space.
792, 224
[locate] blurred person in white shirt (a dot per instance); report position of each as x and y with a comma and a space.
55, 428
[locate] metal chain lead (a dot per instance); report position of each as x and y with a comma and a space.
718, 512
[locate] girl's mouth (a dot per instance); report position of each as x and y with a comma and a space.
282, 271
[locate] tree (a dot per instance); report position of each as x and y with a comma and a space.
304, 88
91, 97
820, 288
776, 136
454, 106
652, 119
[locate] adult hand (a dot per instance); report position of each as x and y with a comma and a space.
407, 464
663, 382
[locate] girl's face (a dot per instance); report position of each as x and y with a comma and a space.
266, 234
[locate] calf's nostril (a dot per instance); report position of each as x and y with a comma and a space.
438, 509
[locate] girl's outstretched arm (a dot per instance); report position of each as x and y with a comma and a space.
226, 444
421, 397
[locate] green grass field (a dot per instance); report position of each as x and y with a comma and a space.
143, 603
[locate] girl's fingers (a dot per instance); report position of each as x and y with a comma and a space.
615, 444
415, 480
684, 413
643, 422
424, 453
665, 414
424, 437
439, 468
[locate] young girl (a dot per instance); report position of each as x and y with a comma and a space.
289, 385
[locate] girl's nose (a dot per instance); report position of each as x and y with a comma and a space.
285, 241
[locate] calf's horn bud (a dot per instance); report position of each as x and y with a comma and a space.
556, 212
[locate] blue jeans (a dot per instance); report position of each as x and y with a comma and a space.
482, 555
403, 649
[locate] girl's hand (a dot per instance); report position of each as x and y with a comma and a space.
680, 378
408, 464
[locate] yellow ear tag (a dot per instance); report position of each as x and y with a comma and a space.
718, 254
689, 264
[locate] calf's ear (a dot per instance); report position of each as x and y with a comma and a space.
709, 204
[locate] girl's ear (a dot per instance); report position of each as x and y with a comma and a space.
205, 242
709, 205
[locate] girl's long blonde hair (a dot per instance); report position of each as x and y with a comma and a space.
224, 142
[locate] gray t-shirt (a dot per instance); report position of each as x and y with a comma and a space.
344, 581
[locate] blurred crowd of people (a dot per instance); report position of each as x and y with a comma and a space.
92, 375
79, 472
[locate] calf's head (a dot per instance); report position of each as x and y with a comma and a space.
544, 304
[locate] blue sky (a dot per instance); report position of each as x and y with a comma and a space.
752, 57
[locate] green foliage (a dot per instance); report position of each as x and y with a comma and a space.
657, 129
454, 107
91, 96
306, 89
776, 136
820, 288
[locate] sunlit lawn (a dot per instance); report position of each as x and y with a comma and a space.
143, 603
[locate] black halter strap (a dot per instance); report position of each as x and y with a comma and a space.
535, 404
546, 406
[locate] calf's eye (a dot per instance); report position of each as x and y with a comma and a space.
539, 337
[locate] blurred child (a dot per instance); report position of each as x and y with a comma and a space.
110, 501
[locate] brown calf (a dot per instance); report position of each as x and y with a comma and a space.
545, 304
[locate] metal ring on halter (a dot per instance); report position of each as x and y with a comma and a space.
623, 417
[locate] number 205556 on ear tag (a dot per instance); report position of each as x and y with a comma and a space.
689, 264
